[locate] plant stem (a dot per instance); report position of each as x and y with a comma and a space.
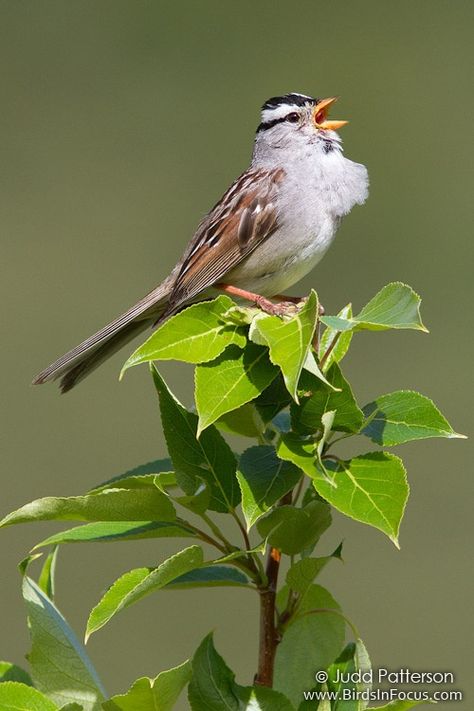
268, 633
329, 350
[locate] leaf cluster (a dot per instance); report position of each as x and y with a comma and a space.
279, 382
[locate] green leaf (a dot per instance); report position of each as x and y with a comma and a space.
15, 696
273, 400
306, 417
212, 687
291, 530
142, 476
334, 345
210, 576
46, 579
244, 421
289, 340
233, 379
353, 658
106, 505
59, 664
196, 335
395, 306
12, 672
309, 644
209, 457
403, 416
105, 532
137, 583
263, 480
371, 488
159, 694
302, 574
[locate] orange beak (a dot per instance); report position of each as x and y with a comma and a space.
320, 112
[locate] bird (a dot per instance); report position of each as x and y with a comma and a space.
267, 232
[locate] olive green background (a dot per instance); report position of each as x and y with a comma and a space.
121, 124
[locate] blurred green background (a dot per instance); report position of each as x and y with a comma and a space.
121, 124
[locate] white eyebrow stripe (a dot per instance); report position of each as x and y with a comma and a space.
279, 112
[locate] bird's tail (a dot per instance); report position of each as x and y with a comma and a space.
75, 365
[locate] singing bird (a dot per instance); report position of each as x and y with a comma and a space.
270, 228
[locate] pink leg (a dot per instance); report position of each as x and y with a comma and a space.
265, 304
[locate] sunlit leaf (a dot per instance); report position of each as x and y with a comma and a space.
15, 696
289, 340
195, 335
233, 379
403, 416
395, 306
138, 583
106, 505
159, 694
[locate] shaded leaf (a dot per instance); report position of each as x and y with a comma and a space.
46, 578
306, 417
302, 574
106, 532
106, 505
210, 576
209, 457
403, 416
273, 400
195, 335
12, 672
353, 658
159, 694
263, 480
244, 421
233, 379
292, 530
309, 644
212, 687
394, 306
138, 583
59, 664
289, 340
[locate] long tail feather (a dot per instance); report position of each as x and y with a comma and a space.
75, 365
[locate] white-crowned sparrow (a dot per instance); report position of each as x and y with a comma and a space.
269, 229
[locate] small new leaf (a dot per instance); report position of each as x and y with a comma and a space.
395, 306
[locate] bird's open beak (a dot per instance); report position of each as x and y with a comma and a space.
320, 112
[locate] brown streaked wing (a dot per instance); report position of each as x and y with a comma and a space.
243, 218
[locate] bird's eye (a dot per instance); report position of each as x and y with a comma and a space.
293, 117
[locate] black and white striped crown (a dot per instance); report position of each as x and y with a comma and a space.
275, 109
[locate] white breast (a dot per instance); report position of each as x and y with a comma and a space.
316, 193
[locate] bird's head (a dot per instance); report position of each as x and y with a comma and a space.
297, 119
